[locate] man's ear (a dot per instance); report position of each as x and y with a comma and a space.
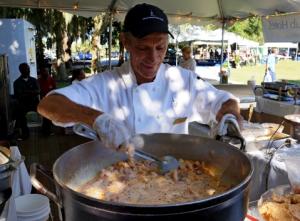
124, 40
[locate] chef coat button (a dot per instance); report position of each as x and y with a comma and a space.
158, 117
139, 119
154, 89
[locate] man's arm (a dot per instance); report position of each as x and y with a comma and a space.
59, 108
231, 106
212, 104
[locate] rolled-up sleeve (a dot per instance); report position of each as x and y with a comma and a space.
87, 92
207, 100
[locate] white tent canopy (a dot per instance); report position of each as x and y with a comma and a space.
281, 45
178, 11
198, 34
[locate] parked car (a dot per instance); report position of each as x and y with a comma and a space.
85, 56
170, 57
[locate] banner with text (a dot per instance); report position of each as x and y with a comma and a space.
282, 28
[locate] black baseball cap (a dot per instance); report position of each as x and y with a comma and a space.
144, 19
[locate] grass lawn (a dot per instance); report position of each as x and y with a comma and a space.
285, 69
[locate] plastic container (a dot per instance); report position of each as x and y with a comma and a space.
32, 207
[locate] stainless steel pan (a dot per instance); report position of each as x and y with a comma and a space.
81, 163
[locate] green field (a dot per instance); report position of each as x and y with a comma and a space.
288, 70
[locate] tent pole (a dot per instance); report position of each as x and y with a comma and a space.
111, 9
222, 44
110, 39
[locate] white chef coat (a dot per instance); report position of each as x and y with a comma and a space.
189, 64
166, 105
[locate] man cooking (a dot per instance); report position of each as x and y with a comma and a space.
143, 95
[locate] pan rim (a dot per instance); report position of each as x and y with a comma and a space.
207, 200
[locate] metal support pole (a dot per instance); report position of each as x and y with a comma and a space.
176, 54
110, 39
222, 44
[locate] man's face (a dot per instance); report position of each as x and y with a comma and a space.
25, 71
146, 54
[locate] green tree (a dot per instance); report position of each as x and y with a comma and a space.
250, 28
60, 29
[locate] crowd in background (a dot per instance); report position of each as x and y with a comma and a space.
27, 93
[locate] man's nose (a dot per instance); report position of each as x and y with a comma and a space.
152, 55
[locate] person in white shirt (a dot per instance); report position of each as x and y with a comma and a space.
270, 75
187, 61
143, 95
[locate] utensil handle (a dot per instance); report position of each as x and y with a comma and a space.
85, 131
39, 186
146, 156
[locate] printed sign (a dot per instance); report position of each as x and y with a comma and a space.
282, 28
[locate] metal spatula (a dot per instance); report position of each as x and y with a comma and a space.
164, 165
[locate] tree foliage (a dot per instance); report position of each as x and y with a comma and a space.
250, 28
58, 28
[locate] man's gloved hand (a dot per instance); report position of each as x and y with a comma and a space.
112, 132
115, 135
229, 126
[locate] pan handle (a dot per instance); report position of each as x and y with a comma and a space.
241, 139
39, 186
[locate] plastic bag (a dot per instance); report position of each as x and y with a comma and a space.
291, 158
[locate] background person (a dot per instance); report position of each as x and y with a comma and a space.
187, 61
47, 84
270, 74
26, 92
77, 75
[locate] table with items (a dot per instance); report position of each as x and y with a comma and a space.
275, 107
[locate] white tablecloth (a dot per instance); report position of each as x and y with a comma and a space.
277, 108
256, 152
262, 178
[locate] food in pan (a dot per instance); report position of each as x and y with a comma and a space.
281, 207
136, 182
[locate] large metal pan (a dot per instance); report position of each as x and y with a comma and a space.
81, 163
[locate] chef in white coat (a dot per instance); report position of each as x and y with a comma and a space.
143, 95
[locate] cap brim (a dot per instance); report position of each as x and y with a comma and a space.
153, 27
171, 34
